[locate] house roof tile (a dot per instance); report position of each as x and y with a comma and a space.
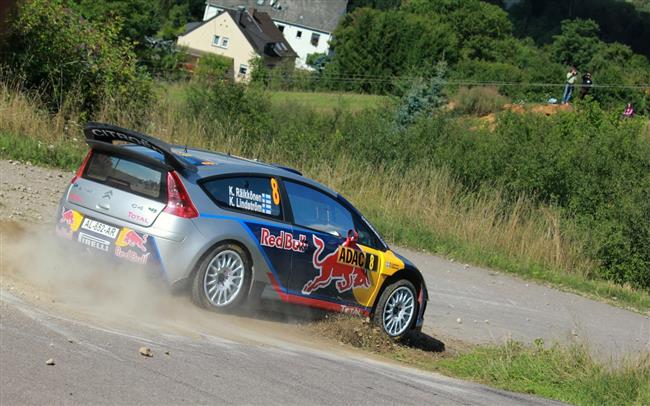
321, 15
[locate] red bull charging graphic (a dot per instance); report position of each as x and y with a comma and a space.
69, 222
132, 246
346, 267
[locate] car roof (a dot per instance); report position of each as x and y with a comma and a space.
210, 164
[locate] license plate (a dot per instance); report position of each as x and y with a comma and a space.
100, 228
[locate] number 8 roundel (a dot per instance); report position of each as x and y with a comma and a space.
276, 191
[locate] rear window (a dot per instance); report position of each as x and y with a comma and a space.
125, 174
252, 194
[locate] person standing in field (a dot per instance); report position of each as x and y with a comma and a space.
586, 85
628, 112
570, 82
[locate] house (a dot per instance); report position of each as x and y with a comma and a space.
306, 24
240, 35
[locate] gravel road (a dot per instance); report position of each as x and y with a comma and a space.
96, 360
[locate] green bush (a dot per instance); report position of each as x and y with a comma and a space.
594, 166
479, 100
67, 58
212, 68
232, 108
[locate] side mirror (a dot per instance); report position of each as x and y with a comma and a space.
335, 233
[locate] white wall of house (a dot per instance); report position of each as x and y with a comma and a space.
222, 36
303, 40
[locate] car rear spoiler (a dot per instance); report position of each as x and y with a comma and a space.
102, 136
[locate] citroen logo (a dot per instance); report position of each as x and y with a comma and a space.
108, 194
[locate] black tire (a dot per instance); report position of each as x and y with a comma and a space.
200, 283
406, 289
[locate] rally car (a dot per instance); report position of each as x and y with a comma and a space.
228, 229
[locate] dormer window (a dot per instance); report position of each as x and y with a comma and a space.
314, 39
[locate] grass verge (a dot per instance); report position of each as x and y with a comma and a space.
565, 373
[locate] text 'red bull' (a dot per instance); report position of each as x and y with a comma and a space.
134, 240
284, 241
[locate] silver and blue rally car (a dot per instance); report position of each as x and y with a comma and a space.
229, 228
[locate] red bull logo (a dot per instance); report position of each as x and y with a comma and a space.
342, 266
128, 239
67, 217
284, 241
69, 222
133, 239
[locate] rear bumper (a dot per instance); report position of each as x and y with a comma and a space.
162, 247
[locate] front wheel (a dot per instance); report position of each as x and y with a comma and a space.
396, 308
222, 280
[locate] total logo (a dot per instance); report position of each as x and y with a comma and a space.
132, 246
283, 241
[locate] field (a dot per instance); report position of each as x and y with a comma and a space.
327, 102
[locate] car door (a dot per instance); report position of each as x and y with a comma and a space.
334, 265
258, 201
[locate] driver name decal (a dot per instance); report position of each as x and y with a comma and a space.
249, 200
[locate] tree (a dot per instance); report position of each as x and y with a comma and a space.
371, 46
139, 18
577, 43
424, 96
378, 4
60, 53
477, 25
627, 22
174, 23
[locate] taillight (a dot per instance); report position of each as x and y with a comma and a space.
80, 171
178, 201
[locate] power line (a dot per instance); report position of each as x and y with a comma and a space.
374, 79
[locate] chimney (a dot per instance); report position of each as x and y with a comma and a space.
241, 10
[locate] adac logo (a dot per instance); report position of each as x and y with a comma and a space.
128, 239
331, 268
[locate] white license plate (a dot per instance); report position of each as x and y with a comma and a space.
100, 228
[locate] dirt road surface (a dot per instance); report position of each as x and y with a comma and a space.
200, 357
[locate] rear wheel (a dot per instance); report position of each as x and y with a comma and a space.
222, 280
396, 309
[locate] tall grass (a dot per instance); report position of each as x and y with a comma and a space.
422, 207
479, 100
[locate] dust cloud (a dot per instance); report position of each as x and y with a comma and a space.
38, 267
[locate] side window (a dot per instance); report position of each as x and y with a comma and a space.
254, 195
316, 210
367, 237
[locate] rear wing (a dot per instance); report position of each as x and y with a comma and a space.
102, 136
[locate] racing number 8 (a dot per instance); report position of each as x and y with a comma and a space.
276, 191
